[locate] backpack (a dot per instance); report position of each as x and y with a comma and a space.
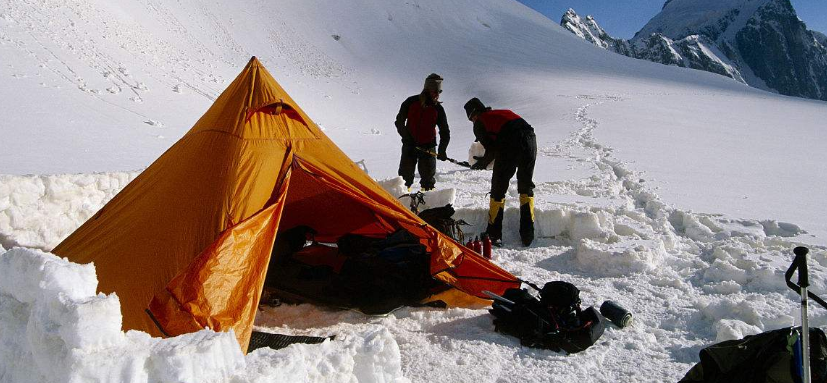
441, 219
760, 358
563, 299
555, 321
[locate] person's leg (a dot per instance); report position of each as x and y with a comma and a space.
427, 171
407, 164
525, 186
504, 168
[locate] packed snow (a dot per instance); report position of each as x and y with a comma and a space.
676, 193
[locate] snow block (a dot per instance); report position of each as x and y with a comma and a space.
41, 210
14, 350
781, 229
366, 356
29, 275
551, 223
395, 186
477, 150
197, 357
378, 359
730, 329
119, 364
620, 259
586, 225
92, 323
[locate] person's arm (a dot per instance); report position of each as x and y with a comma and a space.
444, 133
487, 143
400, 122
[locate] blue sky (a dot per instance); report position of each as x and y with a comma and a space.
624, 18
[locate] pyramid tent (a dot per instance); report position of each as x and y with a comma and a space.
186, 244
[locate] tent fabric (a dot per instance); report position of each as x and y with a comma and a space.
231, 270
186, 244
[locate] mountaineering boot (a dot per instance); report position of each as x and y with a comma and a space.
495, 221
526, 219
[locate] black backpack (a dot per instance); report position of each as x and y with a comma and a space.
759, 358
555, 321
441, 218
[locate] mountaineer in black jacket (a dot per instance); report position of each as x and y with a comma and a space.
510, 142
416, 123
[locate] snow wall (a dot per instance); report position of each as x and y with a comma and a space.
54, 327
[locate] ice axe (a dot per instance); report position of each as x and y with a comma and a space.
451, 160
800, 264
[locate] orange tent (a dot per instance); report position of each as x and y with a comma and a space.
187, 243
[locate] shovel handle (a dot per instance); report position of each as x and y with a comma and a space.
451, 160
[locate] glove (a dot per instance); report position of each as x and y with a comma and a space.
480, 164
442, 156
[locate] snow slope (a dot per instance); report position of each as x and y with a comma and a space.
677, 193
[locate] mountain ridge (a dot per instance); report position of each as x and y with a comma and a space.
761, 43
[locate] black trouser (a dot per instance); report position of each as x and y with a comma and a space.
516, 153
411, 157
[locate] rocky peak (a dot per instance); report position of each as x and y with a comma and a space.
691, 52
760, 42
588, 29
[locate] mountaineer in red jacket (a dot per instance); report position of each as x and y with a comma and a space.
510, 142
416, 123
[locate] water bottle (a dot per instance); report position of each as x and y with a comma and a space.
616, 314
486, 246
470, 243
477, 245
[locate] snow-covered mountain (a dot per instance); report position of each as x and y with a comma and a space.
589, 30
694, 51
759, 42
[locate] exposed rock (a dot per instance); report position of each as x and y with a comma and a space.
759, 42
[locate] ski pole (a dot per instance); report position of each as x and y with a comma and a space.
800, 263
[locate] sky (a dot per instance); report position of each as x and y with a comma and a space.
624, 18
670, 191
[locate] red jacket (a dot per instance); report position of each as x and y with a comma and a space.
416, 123
493, 121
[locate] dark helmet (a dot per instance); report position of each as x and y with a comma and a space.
473, 106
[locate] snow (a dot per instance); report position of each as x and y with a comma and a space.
677, 194
680, 18
41, 210
56, 329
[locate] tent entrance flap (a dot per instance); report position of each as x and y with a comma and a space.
221, 288
312, 202
334, 250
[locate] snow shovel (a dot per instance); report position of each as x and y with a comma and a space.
800, 264
451, 160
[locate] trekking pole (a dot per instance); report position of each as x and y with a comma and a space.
800, 263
